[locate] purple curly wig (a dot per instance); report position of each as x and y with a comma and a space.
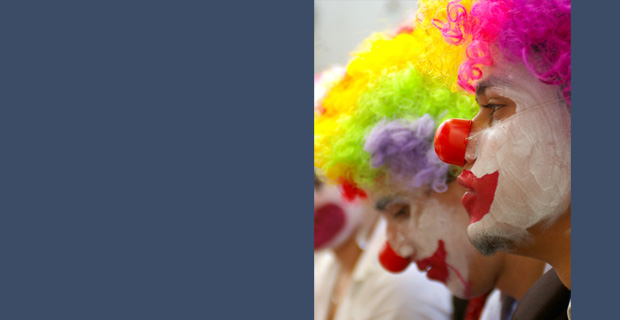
406, 149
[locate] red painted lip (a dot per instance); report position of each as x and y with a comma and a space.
478, 199
329, 219
435, 265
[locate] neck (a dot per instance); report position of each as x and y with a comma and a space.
348, 253
553, 246
559, 256
518, 274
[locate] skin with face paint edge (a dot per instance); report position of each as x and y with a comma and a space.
439, 216
528, 144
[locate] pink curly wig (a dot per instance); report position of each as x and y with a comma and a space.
536, 33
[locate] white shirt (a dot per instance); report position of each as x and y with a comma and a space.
376, 294
492, 309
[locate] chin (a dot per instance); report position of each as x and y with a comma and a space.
489, 238
488, 245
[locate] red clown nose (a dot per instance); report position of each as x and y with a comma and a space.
451, 141
391, 261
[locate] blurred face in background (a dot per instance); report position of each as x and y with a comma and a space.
335, 219
429, 228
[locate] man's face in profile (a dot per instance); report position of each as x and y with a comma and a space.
429, 229
518, 158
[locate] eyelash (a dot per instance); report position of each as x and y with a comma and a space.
401, 213
495, 107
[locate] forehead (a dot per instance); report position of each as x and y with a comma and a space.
514, 81
383, 199
492, 82
502, 75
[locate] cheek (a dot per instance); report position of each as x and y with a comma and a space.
398, 234
441, 222
356, 214
454, 233
328, 194
434, 225
523, 148
488, 148
457, 253
534, 180
431, 229
352, 211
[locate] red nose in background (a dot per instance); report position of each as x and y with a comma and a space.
391, 261
451, 141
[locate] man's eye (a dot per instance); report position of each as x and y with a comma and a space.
317, 183
403, 213
493, 107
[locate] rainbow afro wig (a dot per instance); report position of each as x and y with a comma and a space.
375, 126
536, 33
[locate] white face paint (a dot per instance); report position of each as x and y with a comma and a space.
336, 219
529, 152
418, 223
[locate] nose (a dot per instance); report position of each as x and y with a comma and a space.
391, 261
451, 141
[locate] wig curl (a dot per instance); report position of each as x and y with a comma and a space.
380, 55
388, 134
438, 59
405, 149
539, 34
536, 33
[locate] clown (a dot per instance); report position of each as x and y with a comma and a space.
348, 234
516, 152
382, 143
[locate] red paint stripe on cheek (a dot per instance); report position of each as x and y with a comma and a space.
485, 188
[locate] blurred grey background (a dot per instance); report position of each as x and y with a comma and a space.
340, 26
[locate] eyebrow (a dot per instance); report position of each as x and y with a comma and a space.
483, 85
490, 82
